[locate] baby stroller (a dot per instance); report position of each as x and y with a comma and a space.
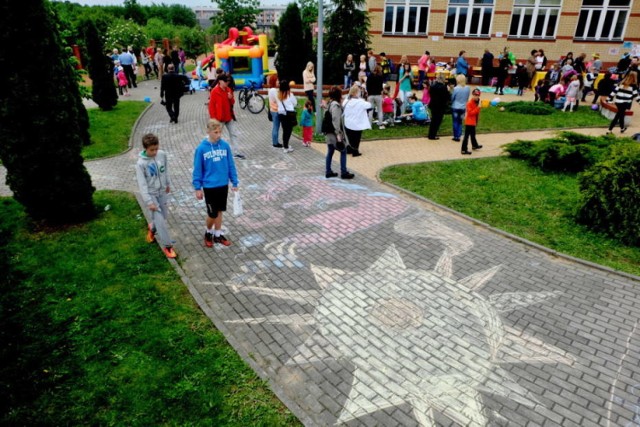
186, 84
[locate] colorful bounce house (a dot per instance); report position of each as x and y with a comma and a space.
244, 55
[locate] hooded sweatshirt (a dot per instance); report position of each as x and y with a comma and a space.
152, 175
213, 165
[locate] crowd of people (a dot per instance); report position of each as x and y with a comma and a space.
377, 93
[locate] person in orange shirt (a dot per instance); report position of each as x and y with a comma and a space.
221, 101
471, 121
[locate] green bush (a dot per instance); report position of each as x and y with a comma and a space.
532, 108
610, 195
565, 152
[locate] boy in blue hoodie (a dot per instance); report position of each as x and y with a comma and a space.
152, 175
213, 168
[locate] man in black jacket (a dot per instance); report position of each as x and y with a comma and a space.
438, 104
171, 89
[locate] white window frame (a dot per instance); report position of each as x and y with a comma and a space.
469, 6
421, 6
544, 6
600, 30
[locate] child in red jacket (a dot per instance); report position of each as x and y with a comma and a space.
471, 121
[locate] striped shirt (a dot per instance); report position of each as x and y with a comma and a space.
622, 94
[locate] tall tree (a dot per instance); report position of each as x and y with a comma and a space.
347, 32
292, 57
238, 13
133, 11
43, 126
100, 66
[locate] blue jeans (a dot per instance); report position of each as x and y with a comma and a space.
347, 81
343, 159
275, 129
457, 116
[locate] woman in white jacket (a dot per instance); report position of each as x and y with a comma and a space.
356, 119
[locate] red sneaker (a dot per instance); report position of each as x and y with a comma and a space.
169, 252
222, 240
208, 240
151, 235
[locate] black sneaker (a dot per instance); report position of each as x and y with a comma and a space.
222, 240
278, 146
347, 175
208, 239
331, 175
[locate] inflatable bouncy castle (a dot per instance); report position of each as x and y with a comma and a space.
244, 55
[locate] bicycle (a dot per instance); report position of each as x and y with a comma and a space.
249, 97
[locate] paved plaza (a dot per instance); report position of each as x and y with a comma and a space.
363, 306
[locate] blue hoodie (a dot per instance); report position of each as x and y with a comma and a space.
213, 165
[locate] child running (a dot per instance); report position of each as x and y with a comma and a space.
213, 168
306, 121
152, 174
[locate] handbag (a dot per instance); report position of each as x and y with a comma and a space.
292, 117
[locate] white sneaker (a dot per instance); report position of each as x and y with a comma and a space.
288, 150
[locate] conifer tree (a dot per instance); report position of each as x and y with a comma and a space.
291, 59
103, 89
42, 120
347, 33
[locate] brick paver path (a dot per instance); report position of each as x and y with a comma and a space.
361, 306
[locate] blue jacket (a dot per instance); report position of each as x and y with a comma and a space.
462, 66
307, 118
213, 165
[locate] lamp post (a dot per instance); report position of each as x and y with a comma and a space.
320, 66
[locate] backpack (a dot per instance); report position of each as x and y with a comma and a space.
327, 123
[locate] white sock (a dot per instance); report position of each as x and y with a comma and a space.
210, 230
218, 233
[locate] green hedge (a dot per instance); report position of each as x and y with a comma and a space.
611, 194
565, 152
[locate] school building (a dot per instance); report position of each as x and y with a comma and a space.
444, 27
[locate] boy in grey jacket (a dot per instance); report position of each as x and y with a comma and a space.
152, 174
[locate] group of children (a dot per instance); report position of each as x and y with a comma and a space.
213, 169
573, 87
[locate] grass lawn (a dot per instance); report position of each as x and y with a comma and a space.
110, 130
97, 329
512, 196
491, 120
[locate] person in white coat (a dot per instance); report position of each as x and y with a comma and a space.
356, 119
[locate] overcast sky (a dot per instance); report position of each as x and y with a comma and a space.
188, 3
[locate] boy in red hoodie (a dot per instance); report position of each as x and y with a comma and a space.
471, 121
221, 102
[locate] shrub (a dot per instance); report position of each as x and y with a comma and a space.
100, 67
566, 152
43, 125
532, 108
610, 195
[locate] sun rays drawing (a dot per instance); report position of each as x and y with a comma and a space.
421, 337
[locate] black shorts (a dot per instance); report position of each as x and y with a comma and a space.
216, 200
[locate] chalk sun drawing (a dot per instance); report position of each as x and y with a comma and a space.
419, 337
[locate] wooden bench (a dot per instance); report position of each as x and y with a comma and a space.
609, 111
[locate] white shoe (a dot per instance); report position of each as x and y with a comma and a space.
288, 150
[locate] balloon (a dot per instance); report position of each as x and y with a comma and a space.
501, 108
594, 107
147, 99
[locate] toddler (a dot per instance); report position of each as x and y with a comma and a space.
122, 81
571, 94
306, 121
388, 108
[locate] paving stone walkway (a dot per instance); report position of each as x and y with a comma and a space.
362, 306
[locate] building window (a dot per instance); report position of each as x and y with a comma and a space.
406, 17
534, 19
469, 18
603, 20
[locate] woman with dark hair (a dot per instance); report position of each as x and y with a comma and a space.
287, 103
334, 135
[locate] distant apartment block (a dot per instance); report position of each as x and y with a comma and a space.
265, 20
